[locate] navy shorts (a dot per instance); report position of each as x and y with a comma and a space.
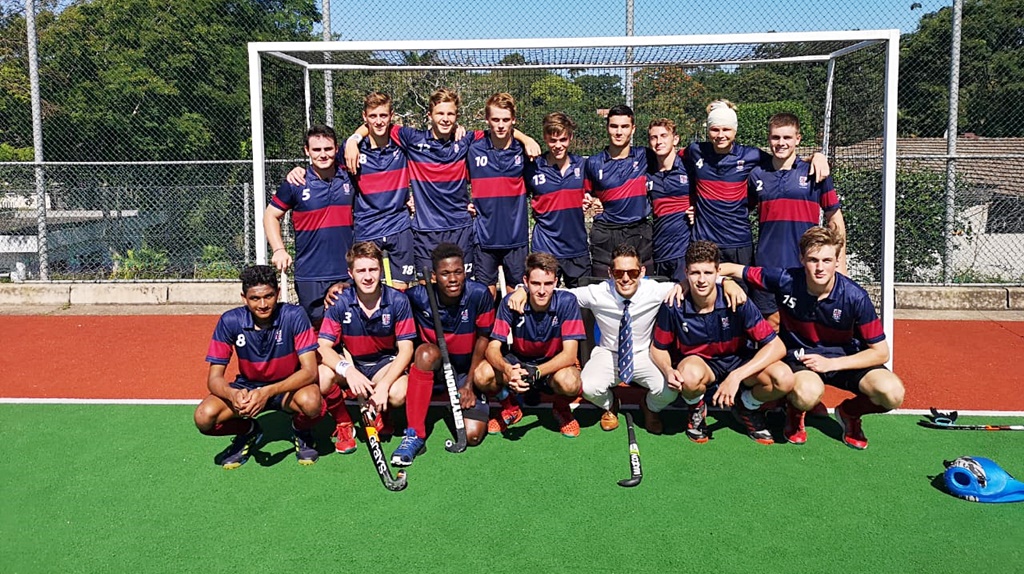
512, 261
846, 380
480, 412
542, 384
674, 269
311, 297
369, 370
765, 301
722, 366
274, 403
425, 241
605, 237
400, 255
572, 269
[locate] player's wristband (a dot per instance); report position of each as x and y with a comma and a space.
723, 278
355, 138
342, 367
279, 249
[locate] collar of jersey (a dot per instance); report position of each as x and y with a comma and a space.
250, 322
690, 309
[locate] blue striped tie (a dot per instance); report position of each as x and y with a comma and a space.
626, 345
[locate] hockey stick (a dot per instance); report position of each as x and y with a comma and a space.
283, 286
459, 445
634, 456
947, 420
376, 452
387, 268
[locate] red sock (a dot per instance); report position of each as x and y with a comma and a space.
861, 405
417, 399
301, 422
335, 400
231, 427
561, 402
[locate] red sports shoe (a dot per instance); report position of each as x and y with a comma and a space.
346, 440
696, 423
794, 430
853, 436
567, 424
507, 418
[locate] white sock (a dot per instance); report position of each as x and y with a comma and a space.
694, 400
749, 401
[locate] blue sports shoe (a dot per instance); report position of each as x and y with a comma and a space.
237, 452
411, 447
304, 449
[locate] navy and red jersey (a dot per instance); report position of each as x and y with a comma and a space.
721, 199
264, 355
620, 184
682, 331
473, 317
841, 324
537, 335
496, 177
383, 182
557, 201
670, 198
789, 203
369, 339
322, 219
438, 177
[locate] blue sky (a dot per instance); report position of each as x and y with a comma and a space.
423, 20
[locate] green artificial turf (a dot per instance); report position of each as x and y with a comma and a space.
89, 488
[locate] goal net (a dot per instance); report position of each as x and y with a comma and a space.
842, 85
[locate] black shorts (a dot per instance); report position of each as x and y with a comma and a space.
481, 411
311, 297
847, 380
605, 237
674, 269
572, 269
274, 403
400, 255
512, 261
426, 241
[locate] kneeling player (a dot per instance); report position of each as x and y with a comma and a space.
373, 323
276, 348
542, 351
702, 342
466, 310
833, 334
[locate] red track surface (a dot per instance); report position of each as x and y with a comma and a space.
968, 365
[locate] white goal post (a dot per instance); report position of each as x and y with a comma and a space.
568, 56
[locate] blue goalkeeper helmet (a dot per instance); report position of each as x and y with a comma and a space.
980, 479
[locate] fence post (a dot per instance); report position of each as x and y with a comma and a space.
951, 133
248, 213
37, 139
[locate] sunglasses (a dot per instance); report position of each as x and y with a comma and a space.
631, 273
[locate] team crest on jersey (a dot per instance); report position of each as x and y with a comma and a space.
277, 337
456, 148
554, 321
725, 322
385, 319
636, 164
465, 315
803, 181
519, 160
837, 314
739, 165
576, 172
682, 179
347, 189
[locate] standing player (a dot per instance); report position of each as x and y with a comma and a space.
542, 354
555, 183
438, 177
382, 181
499, 195
789, 203
322, 218
372, 325
276, 349
669, 189
701, 343
617, 177
833, 335
467, 314
719, 169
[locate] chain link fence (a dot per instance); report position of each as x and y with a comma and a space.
146, 131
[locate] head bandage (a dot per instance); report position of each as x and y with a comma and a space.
722, 115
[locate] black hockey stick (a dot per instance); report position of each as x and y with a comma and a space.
947, 420
459, 444
368, 414
634, 456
